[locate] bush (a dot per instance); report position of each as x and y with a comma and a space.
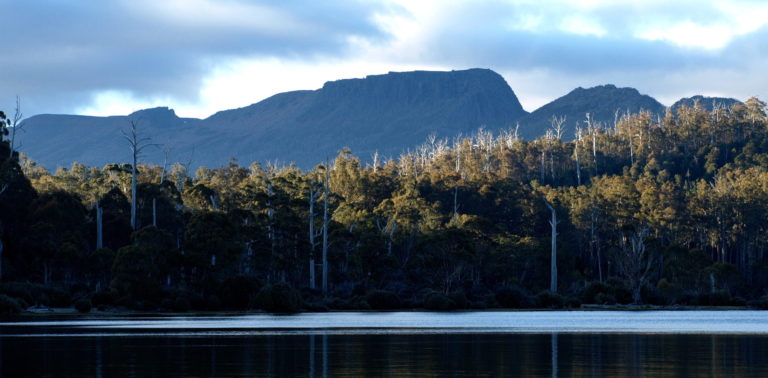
459, 299
36, 294
280, 297
548, 299
670, 291
8, 305
513, 297
103, 298
760, 303
18, 290
597, 293
719, 298
652, 296
438, 302
236, 292
180, 304
383, 300
571, 302
83, 305
622, 295
604, 299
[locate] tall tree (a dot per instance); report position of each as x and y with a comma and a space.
136, 144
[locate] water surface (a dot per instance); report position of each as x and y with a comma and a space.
545, 343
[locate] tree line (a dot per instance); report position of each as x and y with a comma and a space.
656, 209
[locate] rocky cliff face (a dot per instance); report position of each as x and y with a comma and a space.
385, 113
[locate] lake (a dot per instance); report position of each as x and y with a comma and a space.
393, 344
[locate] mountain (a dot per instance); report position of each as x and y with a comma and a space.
601, 102
58, 140
707, 102
385, 113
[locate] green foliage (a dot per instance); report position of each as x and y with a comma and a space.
383, 300
280, 298
437, 301
236, 292
598, 293
661, 211
513, 297
8, 305
83, 306
548, 299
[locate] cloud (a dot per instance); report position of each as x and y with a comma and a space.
200, 56
57, 53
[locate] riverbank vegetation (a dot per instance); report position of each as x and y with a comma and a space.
656, 210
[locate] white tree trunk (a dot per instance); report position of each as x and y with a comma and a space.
326, 191
312, 242
99, 227
553, 257
133, 192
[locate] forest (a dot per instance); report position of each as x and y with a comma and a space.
655, 210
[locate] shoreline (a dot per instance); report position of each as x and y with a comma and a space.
124, 312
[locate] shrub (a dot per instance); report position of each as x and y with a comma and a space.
597, 292
549, 299
103, 298
513, 297
58, 298
652, 296
459, 299
571, 302
383, 300
279, 297
83, 305
8, 305
438, 302
760, 303
719, 298
604, 299
18, 290
237, 291
180, 304
622, 295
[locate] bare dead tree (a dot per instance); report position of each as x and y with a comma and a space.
455, 217
635, 261
553, 255
137, 144
557, 125
326, 193
576, 155
375, 159
166, 152
99, 226
314, 193
388, 230
16, 126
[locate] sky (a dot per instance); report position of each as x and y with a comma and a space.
112, 57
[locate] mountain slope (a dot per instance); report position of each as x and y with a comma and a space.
384, 113
601, 102
707, 102
58, 140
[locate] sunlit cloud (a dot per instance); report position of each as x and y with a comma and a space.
201, 56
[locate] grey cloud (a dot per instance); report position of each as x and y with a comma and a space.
56, 54
485, 36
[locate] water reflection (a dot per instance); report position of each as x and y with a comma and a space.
430, 355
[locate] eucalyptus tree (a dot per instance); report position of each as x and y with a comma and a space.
137, 144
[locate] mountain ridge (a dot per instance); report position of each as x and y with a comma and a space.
384, 114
